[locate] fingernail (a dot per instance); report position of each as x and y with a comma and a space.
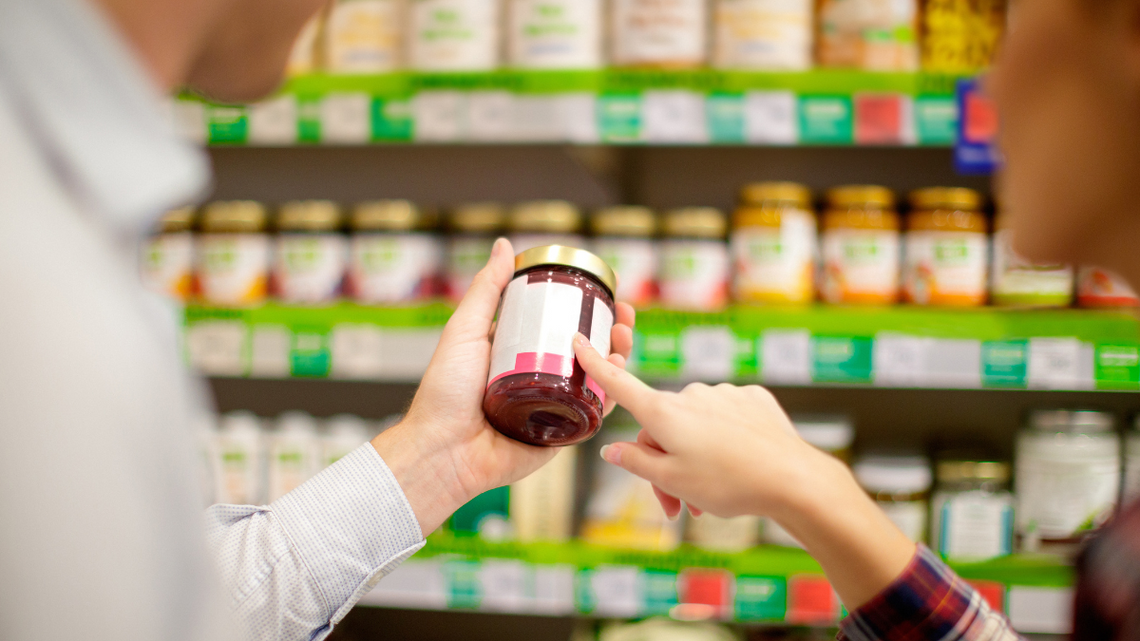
497, 247
673, 517
580, 340
611, 454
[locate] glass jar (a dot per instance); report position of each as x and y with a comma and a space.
763, 35
167, 265
947, 251
474, 228
860, 246
875, 35
309, 253
1018, 282
1067, 475
542, 504
774, 244
556, 34
900, 485
342, 434
832, 433
364, 36
232, 261
623, 237
1098, 287
392, 256
719, 534
545, 222
1132, 462
294, 453
659, 33
972, 515
536, 391
694, 259
454, 35
961, 37
239, 460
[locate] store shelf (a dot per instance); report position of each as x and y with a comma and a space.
820, 107
894, 347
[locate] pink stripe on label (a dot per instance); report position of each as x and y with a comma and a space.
529, 362
595, 388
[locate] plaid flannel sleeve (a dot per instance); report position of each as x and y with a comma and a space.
927, 601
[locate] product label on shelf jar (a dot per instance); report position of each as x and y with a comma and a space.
556, 34
392, 268
302, 58
945, 268
466, 255
363, 36
233, 269
694, 274
1062, 499
666, 32
908, 516
763, 34
308, 268
877, 35
860, 266
454, 35
1098, 287
973, 525
776, 264
168, 264
1017, 281
634, 260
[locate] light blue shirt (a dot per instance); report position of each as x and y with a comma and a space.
100, 531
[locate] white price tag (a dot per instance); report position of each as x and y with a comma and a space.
217, 347
952, 363
413, 584
269, 351
491, 116
896, 360
579, 115
707, 353
673, 116
273, 122
357, 351
407, 352
505, 585
617, 591
189, 119
439, 116
553, 589
537, 119
1056, 363
1042, 610
785, 356
346, 118
770, 117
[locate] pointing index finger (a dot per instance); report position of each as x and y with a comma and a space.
618, 384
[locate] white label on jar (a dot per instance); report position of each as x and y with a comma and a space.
363, 36
239, 466
293, 460
659, 31
1096, 286
634, 260
233, 269
945, 267
455, 35
1059, 499
908, 516
694, 274
168, 263
860, 265
775, 264
308, 268
536, 327
1017, 277
763, 34
973, 525
466, 255
525, 241
392, 268
556, 34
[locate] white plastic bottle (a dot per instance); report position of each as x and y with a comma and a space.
239, 460
294, 452
343, 433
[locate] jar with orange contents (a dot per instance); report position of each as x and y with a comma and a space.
860, 246
774, 244
947, 250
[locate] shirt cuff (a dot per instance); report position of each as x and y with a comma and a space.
351, 525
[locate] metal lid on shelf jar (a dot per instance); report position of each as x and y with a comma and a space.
893, 474
695, 222
946, 198
624, 220
387, 215
478, 218
176, 220
776, 193
828, 432
230, 216
545, 217
959, 471
875, 196
1073, 421
569, 257
309, 215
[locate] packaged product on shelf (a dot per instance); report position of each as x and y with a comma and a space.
900, 485
961, 36
294, 453
1067, 475
659, 33
454, 35
542, 504
474, 228
972, 510
763, 34
239, 460
876, 35
364, 36
545, 222
734, 534
343, 433
1018, 282
860, 246
832, 433
946, 254
1132, 462
232, 253
535, 393
695, 266
392, 256
555, 34
303, 57
622, 510
1097, 287
167, 264
310, 252
774, 244
623, 237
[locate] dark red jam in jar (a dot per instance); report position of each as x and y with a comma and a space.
536, 391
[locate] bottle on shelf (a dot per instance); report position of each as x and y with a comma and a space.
343, 433
860, 246
763, 35
233, 254
900, 485
695, 269
623, 237
655, 34
474, 228
972, 509
454, 35
394, 256
364, 36
294, 453
167, 260
310, 252
1017, 282
545, 222
239, 455
946, 257
555, 34
774, 244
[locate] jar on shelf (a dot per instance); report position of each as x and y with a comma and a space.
294, 453
900, 485
393, 257
167, 261
875, 35
310, 252
694, 259
774, 244
233, 254
364, 36
542, 504
1067, 475
659, 34
961, 37
763, 35
832, 433
342, 434
545, 222
1018, 282
555, 34
1132, 462
946, 258
719, 534
536, 391
454, 35
860, 246
474, 228
239, 460
972, 510
1099, 287
623, 237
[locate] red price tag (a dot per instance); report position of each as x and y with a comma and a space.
709, 591
981, 119
811, 600
992, 592
878, 119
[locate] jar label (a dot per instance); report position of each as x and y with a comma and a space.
363, 36
535, 331
694, 274
1061, 499
634, 260
973, 525
860, 266
393, 268
233, 269
763, 34
308, 268
776, 264
454, 35
552, 34
168, 264
659, 31
945, 268
1015, 280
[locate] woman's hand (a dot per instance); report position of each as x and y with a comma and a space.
444, 452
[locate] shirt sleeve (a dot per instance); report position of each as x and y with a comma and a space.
295, 568
927, 601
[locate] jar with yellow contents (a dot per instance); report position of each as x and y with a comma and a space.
774, 244
860, 246
946, 248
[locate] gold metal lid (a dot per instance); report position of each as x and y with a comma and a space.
945, 198
478, 218
852, 195
176, 220
309, 215
243, 216
624, 220
696, 222
958, 471
387, 215
571, 257
776, 192
545, 217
